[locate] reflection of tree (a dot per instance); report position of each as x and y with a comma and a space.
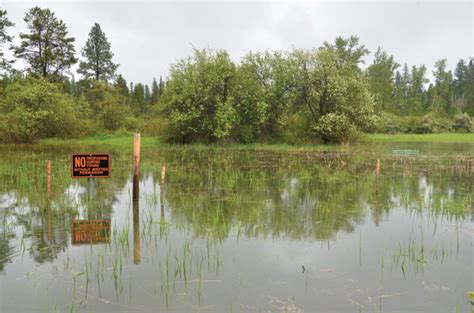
296, 198
46, 224
216, 191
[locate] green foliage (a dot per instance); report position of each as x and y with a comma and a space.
97, 56
336, 128
4, 38
463, 123
34, 108
197, 99
110, 108
46, 48
210, 99
381, 74
314, 95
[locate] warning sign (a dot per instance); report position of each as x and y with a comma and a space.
90, 165
87, 232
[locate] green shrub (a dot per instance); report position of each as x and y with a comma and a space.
34, 108
336, 128
463, 123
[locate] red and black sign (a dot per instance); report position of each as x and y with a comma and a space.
90, 165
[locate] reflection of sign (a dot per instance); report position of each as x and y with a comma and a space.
90, 165
90, 232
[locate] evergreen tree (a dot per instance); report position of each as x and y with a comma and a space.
469, 96
401, 90
46, 48
460, 84
442, 101
97, 56
155, 92
161, 86
121, 85
416, 90
138, 98
381, 79
147, 95
4, 38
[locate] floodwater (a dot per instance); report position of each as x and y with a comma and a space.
228, 230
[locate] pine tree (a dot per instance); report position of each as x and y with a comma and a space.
121, 85
442, 101
97, 56
138, 99
381, 75
401, 90
460, 84
4, 38
46, 48
161, 87
416, 90
154, 92
147, 95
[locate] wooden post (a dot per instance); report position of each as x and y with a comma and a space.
163, 175
377, 168
136, 164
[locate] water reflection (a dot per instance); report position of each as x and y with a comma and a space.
212, 223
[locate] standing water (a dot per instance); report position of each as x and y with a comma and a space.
239, 230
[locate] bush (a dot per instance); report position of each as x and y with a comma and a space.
34, 108
463, 123
336, 128
154, 127
432, 124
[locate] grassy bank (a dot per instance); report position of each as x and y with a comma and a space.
126, 141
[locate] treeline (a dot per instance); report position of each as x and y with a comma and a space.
315, 95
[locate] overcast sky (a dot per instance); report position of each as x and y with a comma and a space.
148, 36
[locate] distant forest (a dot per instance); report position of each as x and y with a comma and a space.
319, 95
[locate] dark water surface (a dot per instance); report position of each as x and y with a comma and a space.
240, 231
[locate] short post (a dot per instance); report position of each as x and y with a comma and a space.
163, 175
377, 168
136, 164
48, 177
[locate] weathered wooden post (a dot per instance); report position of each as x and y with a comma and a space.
377, 168
163, 174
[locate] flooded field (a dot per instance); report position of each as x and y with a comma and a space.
228, 230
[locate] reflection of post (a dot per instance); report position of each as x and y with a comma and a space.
50, 223
136, 209
48, 177
136, 164
136, 232
48, 200
162, 191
